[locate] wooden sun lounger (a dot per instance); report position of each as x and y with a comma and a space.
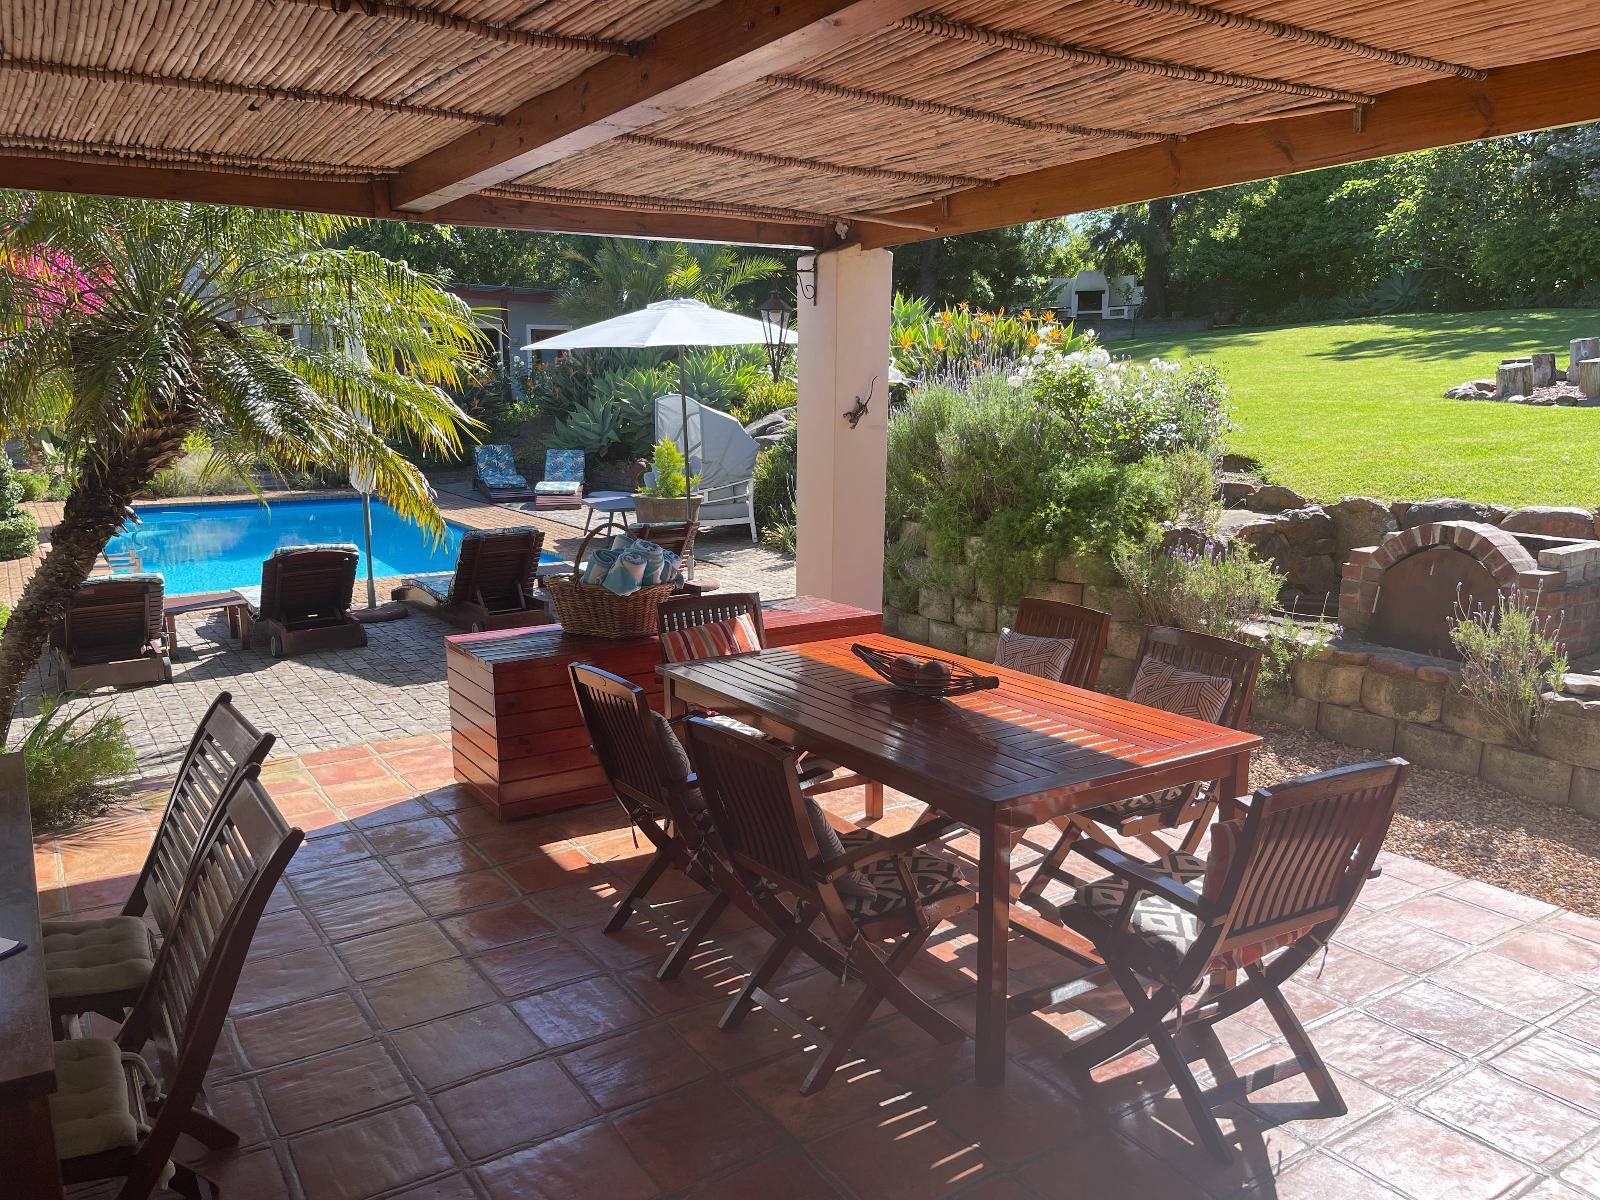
494, 586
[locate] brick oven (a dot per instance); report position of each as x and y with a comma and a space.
1403, 591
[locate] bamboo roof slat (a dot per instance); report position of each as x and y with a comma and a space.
509, 35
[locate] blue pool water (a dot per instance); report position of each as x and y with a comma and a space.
209, 547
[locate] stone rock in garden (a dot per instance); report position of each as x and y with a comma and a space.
1473, 389
1238, 491
1359, 521
772, 428
1187, 539
1446, 509
1551, 521
1313, 573
1581, 685
1274, 497
1302, 525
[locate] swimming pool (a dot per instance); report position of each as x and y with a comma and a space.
210, 547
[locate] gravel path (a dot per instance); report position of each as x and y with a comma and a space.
1464, 825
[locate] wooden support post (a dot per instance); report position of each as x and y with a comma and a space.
1582, 348
1588, 378
1544, 369
1513, 379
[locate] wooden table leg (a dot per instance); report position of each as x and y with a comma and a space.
874, 800
1235, 788
994, 929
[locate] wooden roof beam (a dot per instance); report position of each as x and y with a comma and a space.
1514, 99
691, 62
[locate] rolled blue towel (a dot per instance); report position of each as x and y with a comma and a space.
655, 561
628, 573
599, 566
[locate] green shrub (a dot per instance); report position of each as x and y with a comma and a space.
1287, 643
1205, 593
73, 762
199, 471
19, 529
775, 483
1509, 656
595, 427
765, 397
667, 462
500, 397
35, 484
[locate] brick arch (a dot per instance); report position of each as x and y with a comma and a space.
1499, 552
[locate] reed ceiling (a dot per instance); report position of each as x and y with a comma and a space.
879, 119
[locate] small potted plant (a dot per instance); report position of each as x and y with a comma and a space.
669, 498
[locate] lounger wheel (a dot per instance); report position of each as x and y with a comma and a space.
475, 627
275, 646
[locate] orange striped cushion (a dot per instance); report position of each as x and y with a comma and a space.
717, 639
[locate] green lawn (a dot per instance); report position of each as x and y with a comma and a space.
1357, 407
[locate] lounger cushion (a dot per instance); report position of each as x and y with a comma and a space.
557, 487
97, 957
714, 639
436, 585
510, 480
345, 547
564, 466
1045, 657
89, 1110
934, 876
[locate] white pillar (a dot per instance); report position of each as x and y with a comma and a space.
843, 352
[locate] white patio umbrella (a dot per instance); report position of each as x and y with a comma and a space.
666, 323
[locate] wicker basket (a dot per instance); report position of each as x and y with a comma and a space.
590, 610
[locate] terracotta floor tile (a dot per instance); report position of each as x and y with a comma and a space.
1512, 904
1322, 1177
1446, 1017
787, 1175
590, 1162
368, 1156
358, 915
410, 835
351, 770
1016, 1122
1104, 1165
450, 798
318, 758
1387, 890
297, 805
579, 1011
911, 1155
420, 741
1555, 1064
529, 966
1165, 1129
1582, 1023
489, 928
501, 843
859, 1091
418, 757
369, 797
390, 951
1409, 947
587, 904
457, 1047
1455, 918
1424, 875
251, 1175
545, 869
235, 1105
343, 881
1582, 1172
427, 777
451, 1187
1504, 984
757, 1038
494, 1113
1385, 1057
433, 862
1575, 925
457, 893
1511, 1118
283, 933
702, 982
1425, 1160
1350, 977
421, 995
270, 982
1567, 958
374, 816
331, 1087
309, 1027
701, 1131
328, 851
634, 1066
1293, 1104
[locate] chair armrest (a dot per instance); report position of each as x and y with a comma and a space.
889, 847
1148, 879
738, 490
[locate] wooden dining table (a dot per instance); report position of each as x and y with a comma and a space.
999, 760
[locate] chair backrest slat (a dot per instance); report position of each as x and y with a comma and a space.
1207, 655
111, 617
1087, 627
688, 612
622, 735
1304, 850
309, 582
224, 744
756, 805
498, 566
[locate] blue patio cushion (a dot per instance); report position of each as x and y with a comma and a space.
497, 466
563, 466
437, 585
126, 577
557, 487
285, 551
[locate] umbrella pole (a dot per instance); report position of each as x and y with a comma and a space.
366, 521
683, 405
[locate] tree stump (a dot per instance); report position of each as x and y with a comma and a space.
1582, 348
1513, 379
1544, 370
1588, 378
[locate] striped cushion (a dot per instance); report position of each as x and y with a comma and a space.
1041, 656
1187, 693
716, 639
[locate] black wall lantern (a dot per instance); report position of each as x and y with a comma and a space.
777, 320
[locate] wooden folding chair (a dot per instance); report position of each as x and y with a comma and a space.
894, 889
686, 612
101, 965
114, 1118
1088, 629
1229, 664
1281, 878
657, 789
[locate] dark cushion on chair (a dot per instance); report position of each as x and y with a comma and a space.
674, 758
1158, 923
935, 877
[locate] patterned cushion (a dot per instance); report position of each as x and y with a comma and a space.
89, 1110
557, 487
716, 639
1159, 923
436, 585
852, 885
1138, 806
1041, 656
1187, 693
494, 460
564, 466
96, 957
935, 878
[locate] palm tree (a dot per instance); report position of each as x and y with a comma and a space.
629, 274
127, 325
